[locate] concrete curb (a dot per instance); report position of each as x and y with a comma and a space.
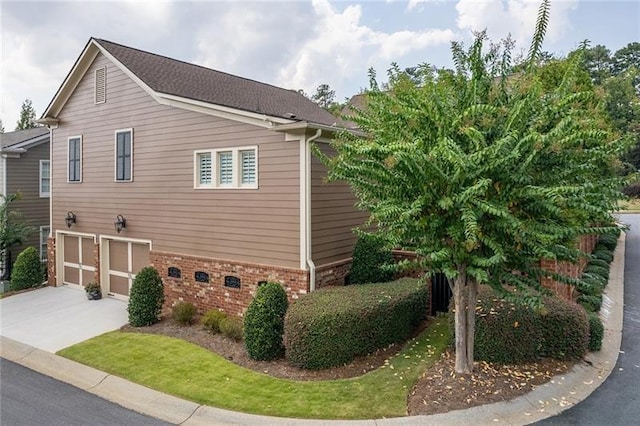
559, 394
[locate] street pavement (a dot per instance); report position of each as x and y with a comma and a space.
30, 398
617, 401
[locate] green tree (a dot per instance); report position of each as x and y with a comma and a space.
597, 60
13, 229
622, 103
482, 173
27, 116
625, 58
324, 96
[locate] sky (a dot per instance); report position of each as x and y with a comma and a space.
293, 44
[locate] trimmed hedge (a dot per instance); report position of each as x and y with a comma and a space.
334, 325
368, 258
596, 331
512, 333
27, 270
264, 322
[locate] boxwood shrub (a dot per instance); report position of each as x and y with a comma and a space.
608, 241
334, 325
512, 333
145, 298
596, 331
369, 257
591, 303
27, 270
264, 322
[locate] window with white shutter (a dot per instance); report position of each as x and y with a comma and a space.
226, 168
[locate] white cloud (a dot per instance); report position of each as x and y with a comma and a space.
515, 17
341, 47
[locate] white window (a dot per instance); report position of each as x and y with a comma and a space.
101, 85
226, 168
44, 235
45, 178
124, 155
74, 151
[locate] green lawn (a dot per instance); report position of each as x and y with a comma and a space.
185, 370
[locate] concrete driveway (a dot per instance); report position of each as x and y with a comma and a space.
52, 318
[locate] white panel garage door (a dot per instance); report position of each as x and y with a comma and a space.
78, 263
125, 259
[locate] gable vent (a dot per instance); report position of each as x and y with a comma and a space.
101, 85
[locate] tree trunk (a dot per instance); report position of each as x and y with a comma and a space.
465, 294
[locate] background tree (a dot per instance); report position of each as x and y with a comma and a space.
1, 126
324, 96
597, 60
482, 173
13, 229
27, 116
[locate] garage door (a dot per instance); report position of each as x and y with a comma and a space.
125, 260
78, 260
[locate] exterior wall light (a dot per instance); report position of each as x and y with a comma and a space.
120, 223
70, 219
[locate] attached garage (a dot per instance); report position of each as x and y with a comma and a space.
121, 260
76, 258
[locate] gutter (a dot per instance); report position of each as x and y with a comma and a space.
307, 211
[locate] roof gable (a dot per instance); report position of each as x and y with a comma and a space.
173, 78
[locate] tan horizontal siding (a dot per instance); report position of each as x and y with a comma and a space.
23, 174
161, 204
333, 215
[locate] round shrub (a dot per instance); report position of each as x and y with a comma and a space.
559, 329
334, 325
600, 259
607, 241
232, 328
211, 320
591, 303
27, 270
591, 285
183, 313
145, 298
596, 331
369, 256
264, 322
598, 270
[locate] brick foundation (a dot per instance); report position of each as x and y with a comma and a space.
51, 262
214, 294
574, 270
333, 274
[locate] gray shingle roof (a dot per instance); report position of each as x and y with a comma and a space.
173, 77
11, 138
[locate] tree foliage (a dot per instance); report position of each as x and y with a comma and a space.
482, 173
13, 228
27, 116
27, 271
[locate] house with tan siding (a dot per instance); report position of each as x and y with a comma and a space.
24, 168
206, 176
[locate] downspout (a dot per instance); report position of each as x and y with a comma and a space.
307, 210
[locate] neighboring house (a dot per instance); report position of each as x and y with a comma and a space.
206, 176
24, 168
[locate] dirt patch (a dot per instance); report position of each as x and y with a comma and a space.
440, 389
